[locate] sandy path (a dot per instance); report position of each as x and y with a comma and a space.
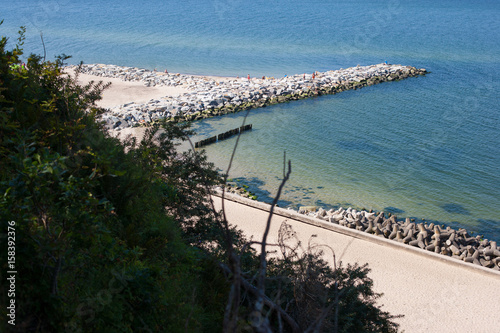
435, 295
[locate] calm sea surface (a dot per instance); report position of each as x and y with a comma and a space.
426, 147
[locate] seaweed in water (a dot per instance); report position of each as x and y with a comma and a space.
493, 227
455, 209
393, 210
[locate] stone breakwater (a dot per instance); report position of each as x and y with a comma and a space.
458, 244
209, 96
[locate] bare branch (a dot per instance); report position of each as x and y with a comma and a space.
43, 43
268, 302
248, 244
263, 262
229, 168
230, 313
55, 276
284, 163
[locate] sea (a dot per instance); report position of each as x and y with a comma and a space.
426, 147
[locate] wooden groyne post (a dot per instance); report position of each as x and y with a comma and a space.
222, 136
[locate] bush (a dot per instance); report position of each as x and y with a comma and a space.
95, 247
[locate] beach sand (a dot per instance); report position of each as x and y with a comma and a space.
121, 92
434, 294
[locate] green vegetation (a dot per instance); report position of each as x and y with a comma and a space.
95, 247
117, 236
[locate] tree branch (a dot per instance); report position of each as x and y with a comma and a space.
43, 43
263, 262
267, 301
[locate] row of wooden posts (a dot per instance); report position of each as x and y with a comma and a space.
222, 136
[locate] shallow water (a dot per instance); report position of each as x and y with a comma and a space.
426, 147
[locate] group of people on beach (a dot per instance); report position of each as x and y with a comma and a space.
248, 75
166, 71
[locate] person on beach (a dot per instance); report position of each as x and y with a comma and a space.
314, 75
248, 77
166, 72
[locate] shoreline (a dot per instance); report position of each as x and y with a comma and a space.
448, 242
430, 237
202, 97
433, 292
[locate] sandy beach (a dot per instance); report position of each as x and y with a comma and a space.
121, 92
434, 293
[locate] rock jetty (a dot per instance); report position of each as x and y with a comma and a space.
458, 244
208, 97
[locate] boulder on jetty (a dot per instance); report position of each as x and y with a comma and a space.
208, 97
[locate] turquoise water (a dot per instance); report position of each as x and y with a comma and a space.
425, 147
